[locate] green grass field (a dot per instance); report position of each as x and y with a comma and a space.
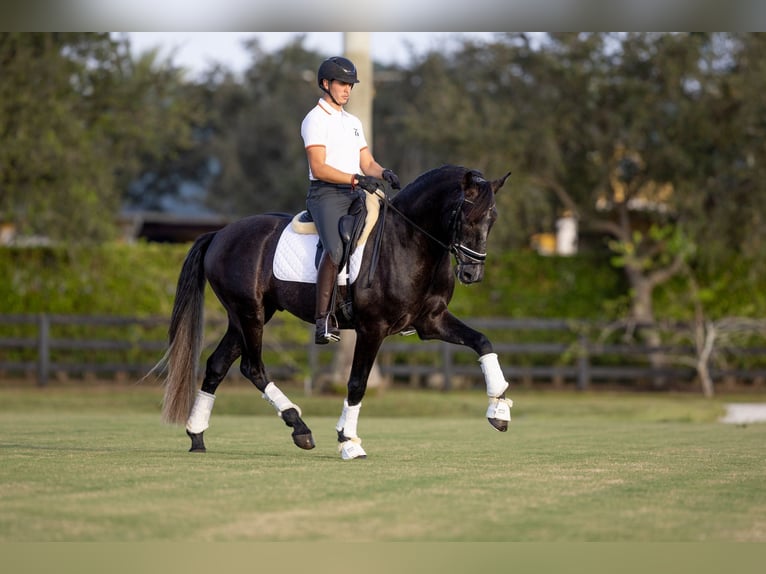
95, 464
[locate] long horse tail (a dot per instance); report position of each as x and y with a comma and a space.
181, 361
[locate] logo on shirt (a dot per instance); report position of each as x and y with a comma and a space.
356, 132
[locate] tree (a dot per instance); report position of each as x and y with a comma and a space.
256, 132
469, 107
727, 203
76, 117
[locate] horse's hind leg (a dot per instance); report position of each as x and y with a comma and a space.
252, 368
291, 414
228, 350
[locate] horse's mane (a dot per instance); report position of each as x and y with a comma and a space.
438, 181
443, 183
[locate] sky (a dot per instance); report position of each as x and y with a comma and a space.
196, 51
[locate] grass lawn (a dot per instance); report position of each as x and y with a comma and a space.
95, 464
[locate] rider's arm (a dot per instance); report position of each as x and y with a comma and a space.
369, 165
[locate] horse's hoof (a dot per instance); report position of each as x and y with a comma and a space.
497, 424
198, 444
304, 441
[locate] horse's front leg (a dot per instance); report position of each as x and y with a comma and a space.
365, 351
449, 328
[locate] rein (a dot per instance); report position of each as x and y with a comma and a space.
454, 246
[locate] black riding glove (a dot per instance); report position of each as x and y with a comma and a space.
368, 183
392, 178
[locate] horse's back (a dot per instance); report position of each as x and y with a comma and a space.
249, 232
242, 250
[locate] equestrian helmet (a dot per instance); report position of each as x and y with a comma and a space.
337, 68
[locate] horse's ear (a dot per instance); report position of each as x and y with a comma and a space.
471, 181
498, 183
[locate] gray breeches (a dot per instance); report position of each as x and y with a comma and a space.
327, 203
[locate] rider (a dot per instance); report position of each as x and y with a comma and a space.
337, 153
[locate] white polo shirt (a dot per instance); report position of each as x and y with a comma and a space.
339, 132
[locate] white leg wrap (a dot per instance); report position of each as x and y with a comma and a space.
278, 399
348, 420
199, 419
351, 449
493, 375
499, 409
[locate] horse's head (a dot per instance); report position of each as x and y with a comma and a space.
470, 222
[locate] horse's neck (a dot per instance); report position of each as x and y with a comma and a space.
427, 212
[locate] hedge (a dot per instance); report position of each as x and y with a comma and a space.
139, 280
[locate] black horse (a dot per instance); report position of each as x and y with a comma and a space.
445, 211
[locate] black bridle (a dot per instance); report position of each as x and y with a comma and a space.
455, 246
463, 255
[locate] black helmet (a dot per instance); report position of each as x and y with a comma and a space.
337, 68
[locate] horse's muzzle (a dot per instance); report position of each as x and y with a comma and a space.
468, 273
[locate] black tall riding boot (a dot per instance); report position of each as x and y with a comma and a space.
326, 325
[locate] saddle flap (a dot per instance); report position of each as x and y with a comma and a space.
346, 226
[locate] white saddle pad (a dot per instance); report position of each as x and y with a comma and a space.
294, 259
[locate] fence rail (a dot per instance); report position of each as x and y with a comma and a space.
531, 350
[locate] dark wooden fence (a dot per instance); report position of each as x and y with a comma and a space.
558, 352
531, 351
37, 348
